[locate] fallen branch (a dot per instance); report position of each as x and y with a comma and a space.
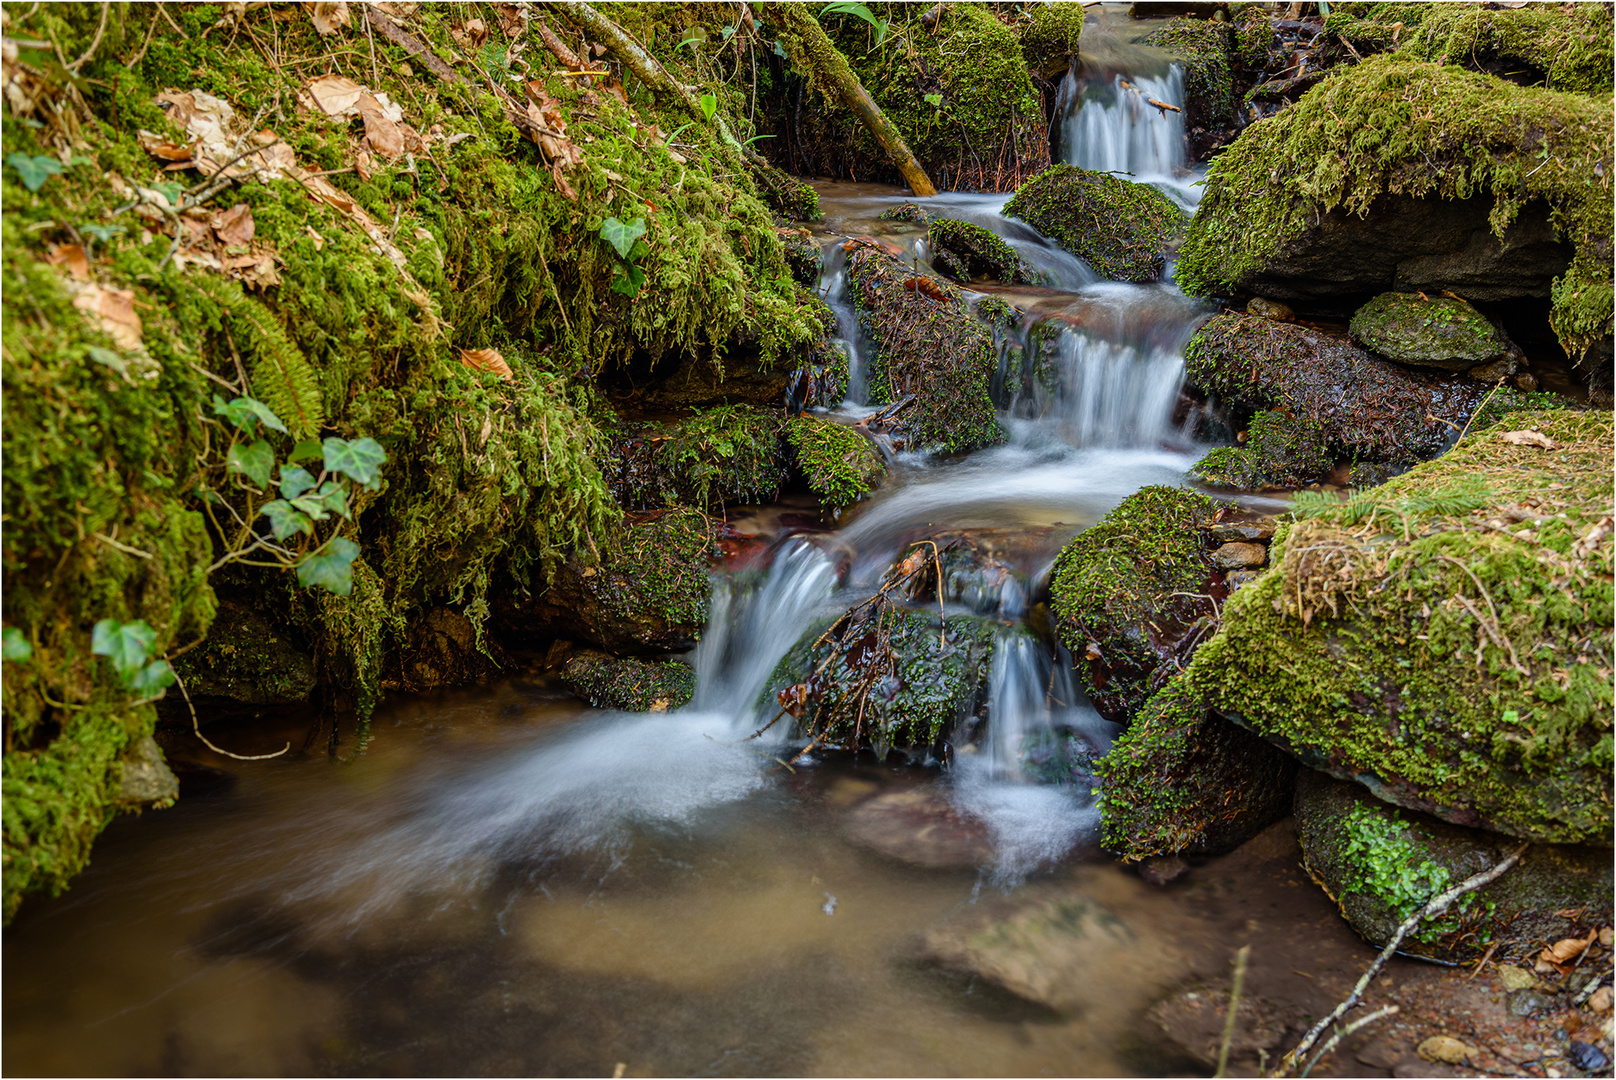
1240, 959
1342, 1033
1436, 906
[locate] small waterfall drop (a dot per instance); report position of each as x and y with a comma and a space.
834, 288
1112, 127
1115, 393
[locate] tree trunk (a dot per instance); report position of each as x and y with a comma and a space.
810, 46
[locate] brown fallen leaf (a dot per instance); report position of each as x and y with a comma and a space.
319, 241
486, 360
1586, 545
256, 271
510, 19
1607, 936
1528, 437
235, 225
71, 257
114, 309
1568, 949
383, 136
334, 95
793, 698
659, 705
470, 34
1600, 1002
328, 17
163, 149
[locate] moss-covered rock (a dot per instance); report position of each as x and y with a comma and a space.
646, 593
1381, 865
1126, 591
785, 194
1436, 332
246, 660
1339, 402
1444, 639
1559, 46
727, 454
926, 342
442, 648
1254, 35
907, 212
968, 252
1049, 42
633, 685
893, 679
803, 255
1120, 228
838, 464
1280, 451
1182, 780
1204, 45
1312, 202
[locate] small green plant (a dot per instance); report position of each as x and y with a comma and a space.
34, 170
709, 107
626, 241
858, 11
16, 647
127, 646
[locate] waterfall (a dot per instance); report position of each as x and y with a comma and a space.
1112, 127
833, 286
1114, 393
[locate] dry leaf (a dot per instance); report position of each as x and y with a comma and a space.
1568, 949
328, 17
1606, 936
319, 241
72, 257
486, 360
334, 95
362, 163
159, 147
659, 705
258, 271
1528, 437
1584, 547
383, 136
510, 19
235, 225
1600, 1002
115, 310
470, 34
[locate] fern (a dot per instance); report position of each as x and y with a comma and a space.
281, 376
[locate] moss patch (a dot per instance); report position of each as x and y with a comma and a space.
1394, 125
839, 464
727, 454
1441, 332
1049, 42
966, 252
1279, 452
1445, 639
612, 682
1120, 228
1204, 45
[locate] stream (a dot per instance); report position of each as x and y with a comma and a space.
507, 883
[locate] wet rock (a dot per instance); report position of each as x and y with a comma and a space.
246, 660
920, 827
1193, 1019
1264, 308
1531, 1003
1515, 978
1127, 593
1182, 780
1436, 332
1381, 864
910, 212
146, 779
1239, 556
617, 682
1313, 400
1204, 47
838, 464
929, 350
785, 194
985, 570
1497, 371
1236, 578
441, 649
1043, 947
646, 594
1163, 869
803, 255
1120, 228
1445, 1048
1050, 41
1586, 1056
1242, 531
967, 252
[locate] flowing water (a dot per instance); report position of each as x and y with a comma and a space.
507, 883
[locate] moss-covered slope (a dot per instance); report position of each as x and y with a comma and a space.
1445, 639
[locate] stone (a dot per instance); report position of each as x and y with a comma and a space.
1236, 578
1515, 978
1525, 381
1445, 1048
920, 827
1601, 1000
968, 252
803, 255
1586, 1056
1380, 864
246, 660
1495, 372
1163, 869
441, 649
628, 683
1120, 228
146, 778
1192, 1020
1239, 556
1527, 1003
1264, 308
909, 212
1248, 531
1435, 332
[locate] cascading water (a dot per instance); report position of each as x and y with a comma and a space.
1112, 126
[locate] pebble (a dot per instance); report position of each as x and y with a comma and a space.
1445, 1048
1237, 578
1239, 556
1586, 1057
1163, 869
1529, 1002
1264, 308
1515, 978
1242, 530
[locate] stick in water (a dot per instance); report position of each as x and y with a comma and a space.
1240, 959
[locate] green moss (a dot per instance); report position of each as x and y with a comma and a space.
1181, 780
785, 194
1050, 41
1119, 227
966, 252
839, 464
1121, 586
1453, 665
1280, 452
910, 212
1204, 45
1393, 125
611, 682
658, 570
928, 343
1443, 332
1253, 35
727, 454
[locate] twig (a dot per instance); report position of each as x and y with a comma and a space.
197, 728
125, 548
1499, 638
1479, 409
1240, 959
1343, 1032
1477, 970
100, 29
1436, 906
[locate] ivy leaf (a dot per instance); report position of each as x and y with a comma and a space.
331, 567
622, 236
34, 170
285, 519
361, 459
113, 360
101, 233
312, 505
334, 497
934, 100
779, 50
244, 410
628, 280
16, 647
151, 678
307, 450
295, 481
254, 461
709, 107
126, 644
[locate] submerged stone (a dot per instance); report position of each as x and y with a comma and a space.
920, 827
624, 682
1120, 228
1437, 332
1381, 864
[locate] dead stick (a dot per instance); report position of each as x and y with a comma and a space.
1342, 1033
1240, 959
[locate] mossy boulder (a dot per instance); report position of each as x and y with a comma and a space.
803, 255
1435, 332
785, 194
1127, 591
647, 591
1183, 780
719, 456
246, 660
838, 464
442, 648
1340, 402
907, 212
1444, 639
1204, 45
628, 683
1381, 864
1049, 41
1397, 173
968, 252
898, 678
927, 342
1120, 228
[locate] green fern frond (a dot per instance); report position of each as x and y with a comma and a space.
281, 376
